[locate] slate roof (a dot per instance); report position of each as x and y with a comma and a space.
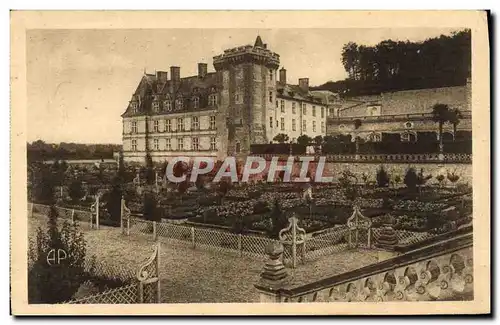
150, 89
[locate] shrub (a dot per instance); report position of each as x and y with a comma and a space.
382, 177
453, 177
150, 208
260, 207
278, 220
58, 281
76, 191
411, 179
113, 204
440, 178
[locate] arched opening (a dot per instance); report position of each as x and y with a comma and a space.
447, 136
409, 137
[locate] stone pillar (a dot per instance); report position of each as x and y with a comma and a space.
274, 275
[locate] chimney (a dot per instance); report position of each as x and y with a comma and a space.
283, 76
175, 73
304, 84
162, 76
202, 70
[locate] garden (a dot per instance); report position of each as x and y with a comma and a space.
408, 201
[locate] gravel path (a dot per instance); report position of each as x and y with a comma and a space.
190, 276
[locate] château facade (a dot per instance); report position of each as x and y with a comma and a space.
219, 113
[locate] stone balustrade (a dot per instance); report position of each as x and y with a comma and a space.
386, 158
443, 271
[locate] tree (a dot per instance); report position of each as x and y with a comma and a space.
50, 279
382, 177
223, 188
122, 171
182, 188
114, 201
43, 186
318, 140
440, 115
454, 119
150, 173
422, 179
357, 124
281, 138
76, 191
304, 140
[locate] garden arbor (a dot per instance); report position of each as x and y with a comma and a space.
359, 228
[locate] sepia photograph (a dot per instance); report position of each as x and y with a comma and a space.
274, 166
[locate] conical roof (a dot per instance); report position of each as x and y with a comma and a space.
258, 42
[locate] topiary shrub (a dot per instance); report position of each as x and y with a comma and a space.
411, 179
382, 177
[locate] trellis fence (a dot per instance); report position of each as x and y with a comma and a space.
144, 287
89, 218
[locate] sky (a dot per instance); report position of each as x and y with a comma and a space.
80, 81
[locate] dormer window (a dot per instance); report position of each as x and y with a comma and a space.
134, 106
196, 102
167, 105
178, 103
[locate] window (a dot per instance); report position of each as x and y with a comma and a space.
238, 98
195, 123
195, 144
277, 104
212, 122
270, 96
178, 103
213, 144
304, 109
271, 72
271, 122
196, 102
212, 100
168, 126
314, 126
238, 147
322, 127
133, 127
134, 145
180, 144
167, 105
314, 111
180, 124
331, 112
304, 125
277, 123
294, 111
156, 107
322, 112
282, 106
168, 144
282, 124
133, 105
155, 144
156, 127
294, 128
